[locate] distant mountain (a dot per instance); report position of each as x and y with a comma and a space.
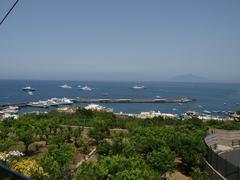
189, 78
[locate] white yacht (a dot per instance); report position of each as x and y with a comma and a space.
28, 88
62, 101
86, 88
65, 86
138, 87
51, 102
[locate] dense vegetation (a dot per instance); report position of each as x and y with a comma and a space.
126, 148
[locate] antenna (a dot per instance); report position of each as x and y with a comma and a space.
8, 12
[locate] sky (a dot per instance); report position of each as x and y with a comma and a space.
120, 39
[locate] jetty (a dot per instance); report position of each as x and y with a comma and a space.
83, 100
182, 100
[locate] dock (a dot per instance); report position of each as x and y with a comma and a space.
182, 100
82, 100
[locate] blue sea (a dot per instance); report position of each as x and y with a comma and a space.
209, 96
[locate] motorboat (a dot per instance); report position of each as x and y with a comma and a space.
86, 88
206, 112
65, 86
28, 88
138, 87
30, 93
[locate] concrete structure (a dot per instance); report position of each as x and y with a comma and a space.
223, 154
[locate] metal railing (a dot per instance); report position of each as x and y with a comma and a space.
6, 173
223, 166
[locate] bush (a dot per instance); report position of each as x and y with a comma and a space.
197, 174
104, 148
161, 160
30, 168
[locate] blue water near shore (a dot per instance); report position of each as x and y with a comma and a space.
210, 96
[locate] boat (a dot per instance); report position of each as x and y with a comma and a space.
30, 93
62, 101
51, 102
138, 87
10, 110
86, 88
28, 88
157, 97
65, 86
79, 86
206, 112
96, 107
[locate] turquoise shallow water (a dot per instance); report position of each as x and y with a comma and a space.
210, 96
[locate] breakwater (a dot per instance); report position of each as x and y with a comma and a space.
182, 100
82, 100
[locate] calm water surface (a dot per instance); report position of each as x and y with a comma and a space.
210, 96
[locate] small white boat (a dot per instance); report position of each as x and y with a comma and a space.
86, 88
206, 112
79, 86
28, 88
138, 87
65, 86
200, 106
30, 93
158, 97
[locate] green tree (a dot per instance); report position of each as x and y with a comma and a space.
26, 136
161, 160
104, 148
116, 167
6, 143
62, 153
197, 174
53, 168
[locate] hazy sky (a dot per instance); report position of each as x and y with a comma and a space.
120, 39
